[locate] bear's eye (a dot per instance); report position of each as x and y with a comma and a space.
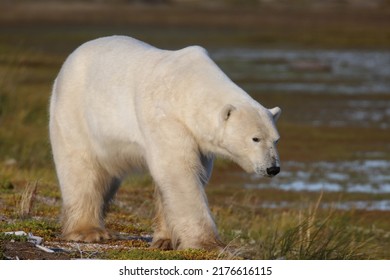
255, 139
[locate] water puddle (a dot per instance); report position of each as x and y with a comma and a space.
367, 176
381, 205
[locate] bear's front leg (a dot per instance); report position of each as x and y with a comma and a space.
183, 219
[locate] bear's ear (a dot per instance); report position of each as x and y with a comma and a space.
275, 113
227, 111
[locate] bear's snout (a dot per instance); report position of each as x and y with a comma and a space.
272, 171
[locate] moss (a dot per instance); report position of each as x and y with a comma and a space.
45, 228
148, 254
10, 237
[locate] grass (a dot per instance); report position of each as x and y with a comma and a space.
317, 238
303, 233
31, 57
251, 232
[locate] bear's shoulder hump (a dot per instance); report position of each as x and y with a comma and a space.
193, 51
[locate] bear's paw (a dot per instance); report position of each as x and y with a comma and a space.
162, 244
89, 235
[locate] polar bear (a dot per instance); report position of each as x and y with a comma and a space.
119, 103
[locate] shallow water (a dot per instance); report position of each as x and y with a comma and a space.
367, 176
381, 205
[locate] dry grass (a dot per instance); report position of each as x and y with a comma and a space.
27, 199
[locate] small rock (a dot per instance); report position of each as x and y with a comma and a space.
17, 233
35, 239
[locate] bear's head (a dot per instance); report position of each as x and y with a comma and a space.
248, 136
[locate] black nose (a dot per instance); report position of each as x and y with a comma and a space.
272, 171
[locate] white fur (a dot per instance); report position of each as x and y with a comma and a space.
118, 103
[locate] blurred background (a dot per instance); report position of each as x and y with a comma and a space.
326, 63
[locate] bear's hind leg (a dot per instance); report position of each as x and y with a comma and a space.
86, 189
